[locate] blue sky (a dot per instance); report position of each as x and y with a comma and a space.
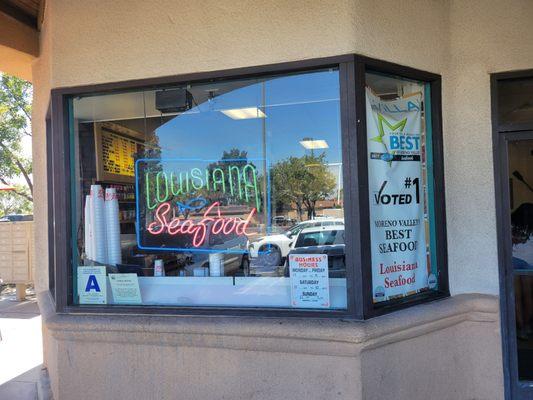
297, 106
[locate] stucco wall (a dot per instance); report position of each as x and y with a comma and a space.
485, 37
98, 41
442, 350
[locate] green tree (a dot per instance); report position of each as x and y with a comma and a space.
15, 124
302, 181
11, 203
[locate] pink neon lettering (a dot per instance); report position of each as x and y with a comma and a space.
198, 230
158, 226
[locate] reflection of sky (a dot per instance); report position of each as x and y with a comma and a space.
297, 107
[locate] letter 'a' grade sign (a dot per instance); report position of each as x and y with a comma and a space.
92, 285
200, 205
398, 210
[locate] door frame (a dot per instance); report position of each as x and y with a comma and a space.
501, 135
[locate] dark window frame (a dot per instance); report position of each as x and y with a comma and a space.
362, 66
50, 206
352, 70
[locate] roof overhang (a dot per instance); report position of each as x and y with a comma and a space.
19, 45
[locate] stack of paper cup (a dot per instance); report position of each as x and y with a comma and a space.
98, 224
87, 229
216, 264
112, 226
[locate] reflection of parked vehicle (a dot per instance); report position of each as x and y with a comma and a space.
235, 263
16, 218
320, 236
327, 240
279, 245
282, 220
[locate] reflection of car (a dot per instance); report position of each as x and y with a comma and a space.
327, 240
16, 218
320, 236
235, 263
282, 220
279, 245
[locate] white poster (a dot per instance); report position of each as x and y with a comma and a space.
309, 280
92, 285
125, 288
396, 189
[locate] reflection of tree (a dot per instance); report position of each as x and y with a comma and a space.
302, 181
239, 158
151, 150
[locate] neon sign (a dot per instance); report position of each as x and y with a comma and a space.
183, 202
235, 180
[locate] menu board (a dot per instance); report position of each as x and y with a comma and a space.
117, 154
116, 147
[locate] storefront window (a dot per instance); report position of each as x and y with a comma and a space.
305, 188
400, 178
225, 193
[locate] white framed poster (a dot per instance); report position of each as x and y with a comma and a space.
309, 280
396, 190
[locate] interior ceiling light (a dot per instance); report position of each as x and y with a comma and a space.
311, 144
244, 113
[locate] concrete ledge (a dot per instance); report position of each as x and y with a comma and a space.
307, 336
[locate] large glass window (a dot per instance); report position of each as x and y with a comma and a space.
314, 189
225, 193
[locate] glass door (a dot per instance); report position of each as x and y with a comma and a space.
520, 175
516, 246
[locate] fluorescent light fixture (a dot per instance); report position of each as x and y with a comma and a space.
311, 144
244, 113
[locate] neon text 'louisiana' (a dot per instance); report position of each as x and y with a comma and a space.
239, 181
164, 223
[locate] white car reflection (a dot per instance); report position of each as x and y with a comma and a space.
327, 240
273, 249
